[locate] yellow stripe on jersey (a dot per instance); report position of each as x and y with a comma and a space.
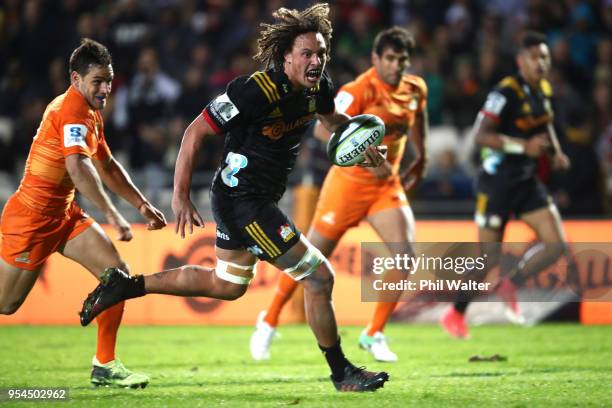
511, 82
262, 240
272, 85
266, 85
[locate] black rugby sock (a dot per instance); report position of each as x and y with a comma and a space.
136, 288
336, 360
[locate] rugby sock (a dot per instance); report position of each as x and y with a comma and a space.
108, 325
136, 287
381, 316
336, 360
285, 288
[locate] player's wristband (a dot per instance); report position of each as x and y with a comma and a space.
513, 147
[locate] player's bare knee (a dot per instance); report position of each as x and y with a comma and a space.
230, 291
321, 282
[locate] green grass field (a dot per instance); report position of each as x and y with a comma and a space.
548, 365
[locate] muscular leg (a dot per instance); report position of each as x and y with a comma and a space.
15, 284
195, 280
286, 285
396, 226
546, 222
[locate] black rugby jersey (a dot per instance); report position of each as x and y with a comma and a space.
264, 120
520, 112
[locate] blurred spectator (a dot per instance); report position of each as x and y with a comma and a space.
143, 109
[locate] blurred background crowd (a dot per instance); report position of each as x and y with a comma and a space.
172, 56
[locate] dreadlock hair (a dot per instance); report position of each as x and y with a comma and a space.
395, 37
275, 40
89, 53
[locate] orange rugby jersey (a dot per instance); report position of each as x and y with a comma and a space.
69, 126
396, 106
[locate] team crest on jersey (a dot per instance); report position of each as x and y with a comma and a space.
255, 250
526, 108
312, 105
286, 232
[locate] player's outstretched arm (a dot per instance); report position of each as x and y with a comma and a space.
115, 177
186, 214
87, 181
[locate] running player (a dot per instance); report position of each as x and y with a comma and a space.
376, 194
264, 116
69, 151
514, 128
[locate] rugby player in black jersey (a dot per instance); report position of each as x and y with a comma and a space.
264, 116
514, 128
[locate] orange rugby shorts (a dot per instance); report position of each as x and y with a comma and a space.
345, 201
29, 238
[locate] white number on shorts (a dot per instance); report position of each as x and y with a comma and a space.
235, 162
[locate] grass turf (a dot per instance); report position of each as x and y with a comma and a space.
548, 365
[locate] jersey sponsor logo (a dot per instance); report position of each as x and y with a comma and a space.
529, 122
276, 130
286, 232
495, 103
222, 235
223, 109
343, 101
74, 135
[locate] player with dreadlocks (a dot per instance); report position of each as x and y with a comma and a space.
263, 117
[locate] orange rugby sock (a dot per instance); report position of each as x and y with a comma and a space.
381, 315
285, 288
108, 325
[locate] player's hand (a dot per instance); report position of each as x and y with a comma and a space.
414, 173
186, 215
375, 156
120, 224
156, 219
537, 145
376, 162
561, 161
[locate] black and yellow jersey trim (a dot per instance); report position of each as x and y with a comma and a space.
266, 244
512, 83
267, 85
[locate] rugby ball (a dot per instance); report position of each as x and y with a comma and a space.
348, 143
